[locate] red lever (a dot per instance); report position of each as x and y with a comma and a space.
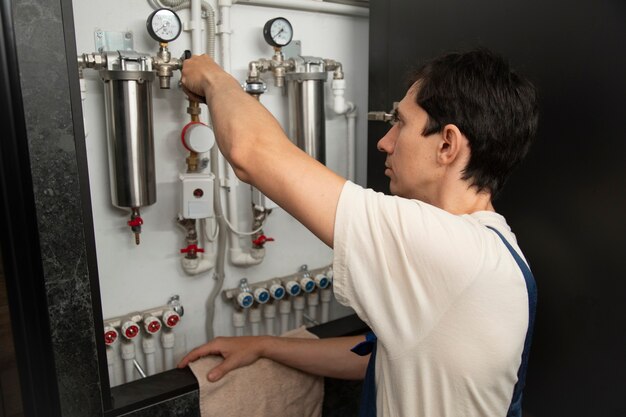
109, 337
262, 240
173, 320
192, 248
137, 221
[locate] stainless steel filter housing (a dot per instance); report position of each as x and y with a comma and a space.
128, 102
305, 91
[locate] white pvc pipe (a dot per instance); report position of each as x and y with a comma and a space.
269, 313
149, 349
284, 307
255, 320
351, 118
111, 365
310, 6
196, 27
224, 33
347, 108
313, 300
128, 355
298, 307
239, 322
167, 342
325, 297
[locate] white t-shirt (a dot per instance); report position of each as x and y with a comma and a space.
444, 296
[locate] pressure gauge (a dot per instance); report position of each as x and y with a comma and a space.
278, 32
164, 25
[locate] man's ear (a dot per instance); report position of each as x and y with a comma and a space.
451, 145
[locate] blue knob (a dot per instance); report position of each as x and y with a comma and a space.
247, 301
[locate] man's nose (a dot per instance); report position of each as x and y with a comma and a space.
385, 144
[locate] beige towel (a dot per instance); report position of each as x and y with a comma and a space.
263, 389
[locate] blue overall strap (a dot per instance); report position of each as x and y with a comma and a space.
515, 409
368, 396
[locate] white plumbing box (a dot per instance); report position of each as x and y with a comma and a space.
197, 195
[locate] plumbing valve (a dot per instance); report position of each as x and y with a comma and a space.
130, 329
171, 318
165, 65
277, 291
245, 299
110, 335
191, 251
135, 223
322, 281
308, 285
261, 295
260, 241
152, 324
293, 288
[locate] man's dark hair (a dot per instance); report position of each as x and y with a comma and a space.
494, 107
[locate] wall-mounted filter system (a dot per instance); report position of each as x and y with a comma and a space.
305, 76
127, 77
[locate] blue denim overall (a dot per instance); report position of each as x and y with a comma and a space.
368, 396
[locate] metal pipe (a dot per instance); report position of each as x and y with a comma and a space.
310, 6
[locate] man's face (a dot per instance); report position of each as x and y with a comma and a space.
411, 157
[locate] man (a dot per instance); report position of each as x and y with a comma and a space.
434, 270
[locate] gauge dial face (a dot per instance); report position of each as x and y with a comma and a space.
278, 32
164, 25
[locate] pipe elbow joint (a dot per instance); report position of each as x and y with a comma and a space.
240, 258
198, 265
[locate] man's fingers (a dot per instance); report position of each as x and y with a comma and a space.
197, 353
222, 369
193, 96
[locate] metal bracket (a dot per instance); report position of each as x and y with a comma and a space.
113, 41
292, 50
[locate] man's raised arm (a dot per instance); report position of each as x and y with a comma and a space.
259, 151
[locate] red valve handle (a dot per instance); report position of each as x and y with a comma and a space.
173, 320
154, 327
192, 248
109, 337
262, 240
137, 221
132, 331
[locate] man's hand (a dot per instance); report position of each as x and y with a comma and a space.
324, 357
236, 351
199, 74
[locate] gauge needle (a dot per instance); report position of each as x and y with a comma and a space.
279, 32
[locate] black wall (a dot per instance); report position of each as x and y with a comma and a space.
566, 203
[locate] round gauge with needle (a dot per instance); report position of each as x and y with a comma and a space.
164, 25
278, 32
